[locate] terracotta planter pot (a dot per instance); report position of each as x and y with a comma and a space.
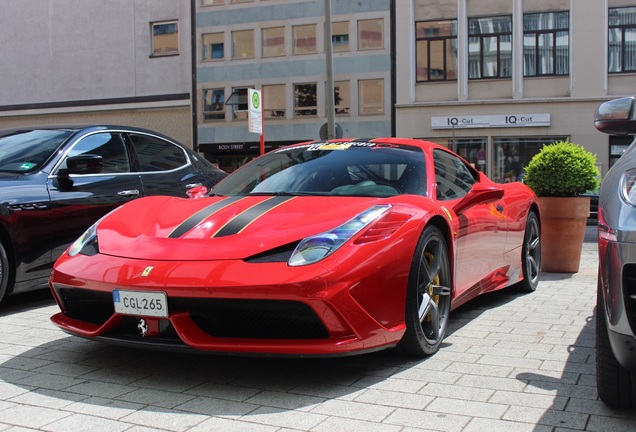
563, 224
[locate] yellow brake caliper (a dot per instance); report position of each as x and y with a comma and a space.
429, 257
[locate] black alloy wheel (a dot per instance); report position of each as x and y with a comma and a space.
428, 296
531, 254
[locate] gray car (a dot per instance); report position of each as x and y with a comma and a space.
616, 295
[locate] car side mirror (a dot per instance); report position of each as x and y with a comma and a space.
478, 194
85, 164
616, 117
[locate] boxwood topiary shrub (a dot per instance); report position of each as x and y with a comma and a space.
562, 169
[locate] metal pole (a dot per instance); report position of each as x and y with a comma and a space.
262, 139
331, 109
194, 120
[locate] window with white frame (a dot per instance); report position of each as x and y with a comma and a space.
274, 100
213, 46
165, 38
273, 41
305, 100
342, 97
304, 39
371, 34
242, 44
239, 102
340, 36
371, 96
213, 104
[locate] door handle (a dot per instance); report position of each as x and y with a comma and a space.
499, 208
128, 193
193, 185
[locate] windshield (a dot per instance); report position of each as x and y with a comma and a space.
27, 150
346, 169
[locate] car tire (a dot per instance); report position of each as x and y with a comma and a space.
428, 296
531, 254
4, 272
614, 383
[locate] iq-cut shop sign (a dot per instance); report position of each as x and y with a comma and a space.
482, 121
255, 119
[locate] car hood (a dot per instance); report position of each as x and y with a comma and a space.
213, 228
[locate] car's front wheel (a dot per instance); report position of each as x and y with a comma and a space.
428, 296
614, 383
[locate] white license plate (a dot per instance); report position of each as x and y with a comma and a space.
141, 303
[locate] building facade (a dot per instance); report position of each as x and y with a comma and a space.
495, 80
492, 79
278, 47
88, 61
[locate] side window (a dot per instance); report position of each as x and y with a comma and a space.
157, 155
453, 178
110, 146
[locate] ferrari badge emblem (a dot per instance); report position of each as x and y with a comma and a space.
143, 327
147, 271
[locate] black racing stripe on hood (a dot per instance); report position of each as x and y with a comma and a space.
242, 220
201, 215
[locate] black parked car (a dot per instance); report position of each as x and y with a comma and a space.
616, 296
593, 218
57, 181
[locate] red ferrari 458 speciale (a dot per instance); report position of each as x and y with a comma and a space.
320, 248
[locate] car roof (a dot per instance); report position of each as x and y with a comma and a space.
74, 128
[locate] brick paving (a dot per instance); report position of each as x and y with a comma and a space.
512, 362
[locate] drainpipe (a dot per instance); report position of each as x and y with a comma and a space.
193, 71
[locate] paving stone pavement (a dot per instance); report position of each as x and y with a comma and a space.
511, 363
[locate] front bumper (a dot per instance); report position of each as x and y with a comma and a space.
235, 307
617, 274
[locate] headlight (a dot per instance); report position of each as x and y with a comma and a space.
315, 248
628, 186
86, 243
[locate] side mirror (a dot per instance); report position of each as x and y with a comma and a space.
84, 164
616, 117
479, 194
